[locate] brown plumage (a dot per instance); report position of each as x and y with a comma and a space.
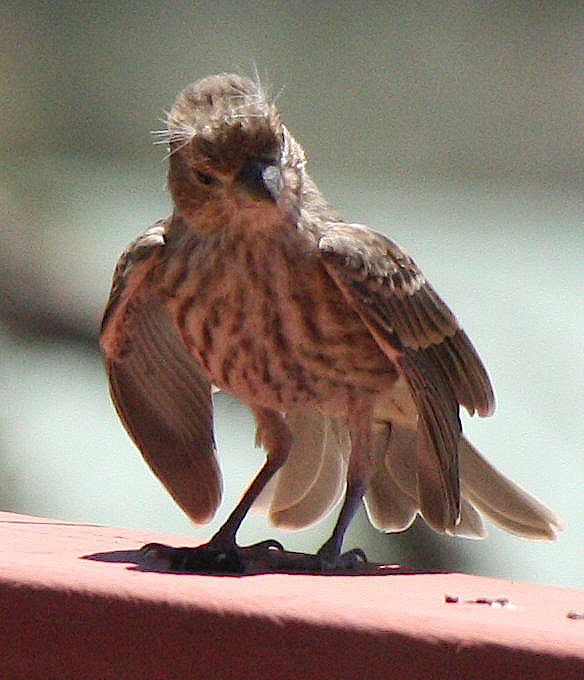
351, 363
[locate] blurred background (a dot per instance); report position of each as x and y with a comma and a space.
455, 128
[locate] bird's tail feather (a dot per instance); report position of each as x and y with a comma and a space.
312, 482
501, 500
485, 492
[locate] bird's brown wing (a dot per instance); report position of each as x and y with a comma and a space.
416, 329
158, 390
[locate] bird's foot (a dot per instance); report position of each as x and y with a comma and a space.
319, 563
348, 560
332, 558
211, 558
231, 559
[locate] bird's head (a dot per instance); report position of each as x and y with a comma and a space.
229, 149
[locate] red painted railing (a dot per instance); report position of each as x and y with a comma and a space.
62, 616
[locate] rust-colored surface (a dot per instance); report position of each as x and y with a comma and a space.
67, 617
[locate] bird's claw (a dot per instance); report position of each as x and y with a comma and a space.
210, 558
265, 556
350, 559
295, 562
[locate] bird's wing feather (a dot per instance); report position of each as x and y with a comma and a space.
159, 392
416, 329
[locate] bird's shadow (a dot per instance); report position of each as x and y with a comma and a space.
281, 562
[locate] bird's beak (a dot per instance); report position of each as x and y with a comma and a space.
272, 180
262, 179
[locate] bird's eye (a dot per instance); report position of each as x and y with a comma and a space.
204, 178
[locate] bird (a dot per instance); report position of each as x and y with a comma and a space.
353, 366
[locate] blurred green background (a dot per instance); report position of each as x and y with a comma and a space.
456, 128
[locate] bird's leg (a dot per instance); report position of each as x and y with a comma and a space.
361, 468
330, 551
222, 554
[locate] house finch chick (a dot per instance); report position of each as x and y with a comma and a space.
352, 365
